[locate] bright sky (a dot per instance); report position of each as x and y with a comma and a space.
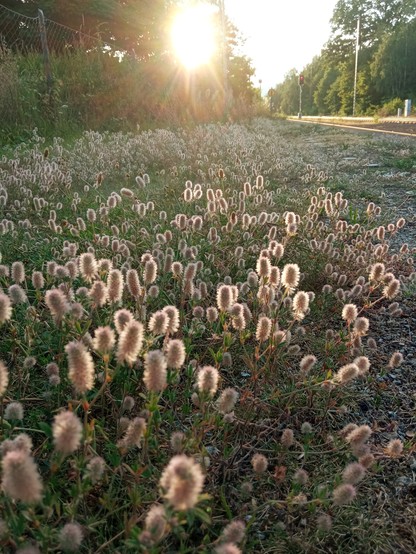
281, 34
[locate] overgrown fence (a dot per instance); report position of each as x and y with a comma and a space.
24, 34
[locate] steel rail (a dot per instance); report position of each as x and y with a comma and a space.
354, 127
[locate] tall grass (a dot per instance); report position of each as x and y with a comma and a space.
94, 90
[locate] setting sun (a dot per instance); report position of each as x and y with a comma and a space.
193, 36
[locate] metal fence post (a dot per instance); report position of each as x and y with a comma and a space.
45, 49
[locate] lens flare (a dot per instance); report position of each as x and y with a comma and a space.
193, 36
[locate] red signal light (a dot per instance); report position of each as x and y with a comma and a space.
301, 80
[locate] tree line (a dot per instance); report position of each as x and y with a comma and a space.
386, 63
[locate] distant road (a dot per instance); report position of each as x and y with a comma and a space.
405, 126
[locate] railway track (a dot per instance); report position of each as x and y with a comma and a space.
390, 126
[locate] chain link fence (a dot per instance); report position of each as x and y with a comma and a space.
22, 33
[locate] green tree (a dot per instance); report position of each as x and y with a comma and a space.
393, 68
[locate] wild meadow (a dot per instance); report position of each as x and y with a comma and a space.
187, 341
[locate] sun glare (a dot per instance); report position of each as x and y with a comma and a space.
193, 36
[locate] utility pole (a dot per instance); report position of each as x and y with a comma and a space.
45, 49
357, 47
224, 58
301, 82
226, 87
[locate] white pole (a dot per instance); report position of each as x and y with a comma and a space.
224, 53
357, 47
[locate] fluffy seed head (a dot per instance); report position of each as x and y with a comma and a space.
81, 367
225, 297
95, 469
347, 373
21, 479
5, 308
344, 494
212, 314
259, 463
17, 294
70, 537
159, 322
307, 363
176, 441
38, 281
14, 411
392, 289
150, 271
234, 532
300, 304
173, 316
4, 378
208, 380
396, 360
104, 340
353, 473
363, 364
175, 354
57, 303
155, 522
177, 269
122, 318
349, 313
130, 342
367, 460
394, 449
324, 522
155, 375
18, 272
133, 283
134, 433
190, 272
264, 327
274, 278
182, 481
301, 477
67, 432
87, 266
287, 438
290, 276
115, 286
263, 267
227, 400
98, 294
306, 428
359, 435
361, 326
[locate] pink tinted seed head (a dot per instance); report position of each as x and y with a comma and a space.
81, 367
155, 375
21, 479
130, 342
67, 432
182, 481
